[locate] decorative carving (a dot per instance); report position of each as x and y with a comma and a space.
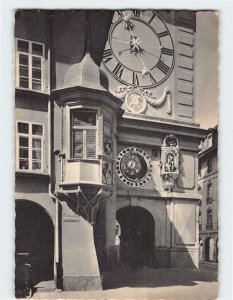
169, 164
107, 145
107, 139
86, 200
107, 172
136, 97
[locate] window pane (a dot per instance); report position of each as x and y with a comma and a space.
36, 165
36, 154
37, 49
36, 143
36, 86
23, 82
37, 129
23, 71
36, 62
23, 141
91, 143
78, 144
23, 60
23, 127
23, 153
23, 46
23, 164
36, 73
84, 118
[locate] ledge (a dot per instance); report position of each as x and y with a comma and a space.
32, 175
32, 93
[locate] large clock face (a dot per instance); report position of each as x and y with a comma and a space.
133, 166
139, 50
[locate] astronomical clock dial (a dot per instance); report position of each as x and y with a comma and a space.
133, 166
139, 50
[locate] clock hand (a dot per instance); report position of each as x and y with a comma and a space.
151, 54
119, 40
145, 70
120, 52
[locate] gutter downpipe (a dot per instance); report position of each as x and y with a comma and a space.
51, 165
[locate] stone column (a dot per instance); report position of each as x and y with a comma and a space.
79, 260
111, 248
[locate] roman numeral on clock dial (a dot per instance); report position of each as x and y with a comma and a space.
152, 18
107, 55
118, 70
135, 79
167, 51
136, 13
163, 34
162, 67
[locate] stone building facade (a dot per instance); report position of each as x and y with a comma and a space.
106, 143
208, 183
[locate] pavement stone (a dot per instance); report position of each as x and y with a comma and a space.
146, 283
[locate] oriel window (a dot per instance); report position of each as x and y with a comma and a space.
29, 65
84, 134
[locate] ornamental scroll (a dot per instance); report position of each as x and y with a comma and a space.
136, 98
169, 164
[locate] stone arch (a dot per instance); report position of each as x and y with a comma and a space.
137, 234
126, 202
34, 241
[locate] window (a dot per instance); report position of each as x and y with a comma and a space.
209, 165
29, 65
209, 221
84, 134
209, 192
29, 146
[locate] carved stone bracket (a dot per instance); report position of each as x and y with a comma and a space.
139, 98
85, 201
170, 163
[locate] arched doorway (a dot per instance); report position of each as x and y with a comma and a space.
209, 249
137, 235
34, 241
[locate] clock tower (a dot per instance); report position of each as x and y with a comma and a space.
149, 58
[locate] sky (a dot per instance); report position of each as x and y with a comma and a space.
207, 69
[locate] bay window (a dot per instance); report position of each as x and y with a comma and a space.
29, 65
83, 132
29, 146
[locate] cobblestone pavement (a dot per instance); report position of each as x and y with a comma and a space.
143, 282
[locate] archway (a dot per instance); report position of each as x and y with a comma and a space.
34, 241
209, 249
137, 237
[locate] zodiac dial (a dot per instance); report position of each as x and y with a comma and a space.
133, 166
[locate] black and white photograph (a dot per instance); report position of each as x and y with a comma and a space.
116, 153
